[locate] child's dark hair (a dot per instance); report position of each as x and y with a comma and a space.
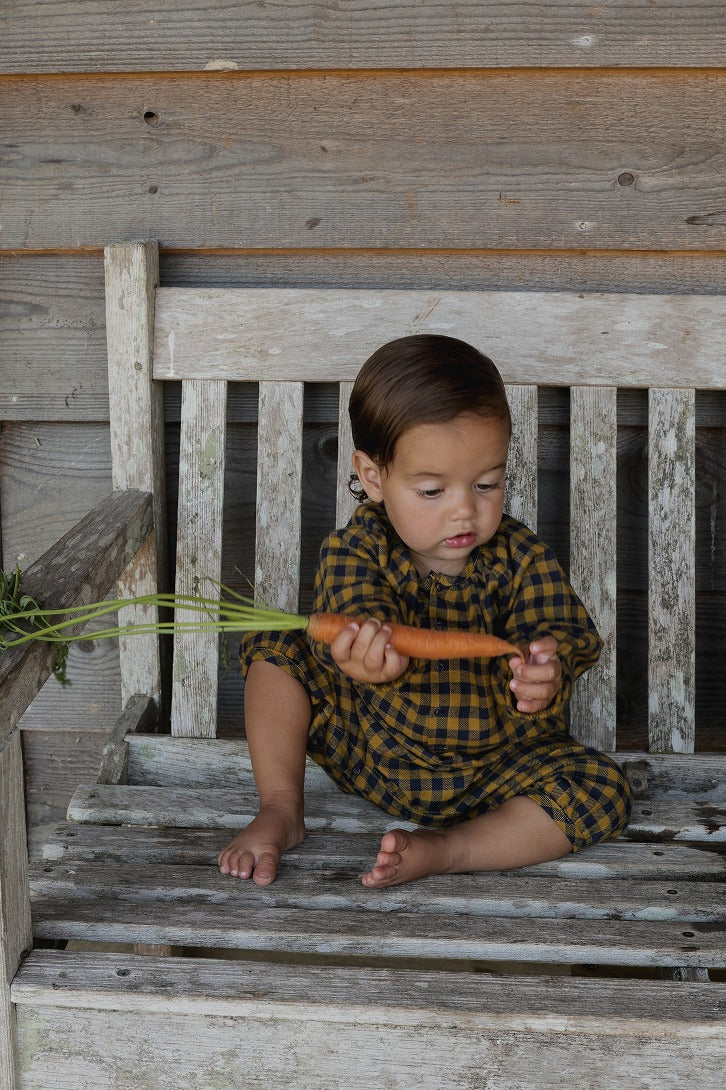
421, 379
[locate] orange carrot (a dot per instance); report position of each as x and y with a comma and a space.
421, 643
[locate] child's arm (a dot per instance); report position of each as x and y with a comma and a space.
364, 653
536, 682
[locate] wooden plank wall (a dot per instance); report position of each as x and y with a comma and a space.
556, 145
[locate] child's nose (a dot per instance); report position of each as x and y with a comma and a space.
464, 506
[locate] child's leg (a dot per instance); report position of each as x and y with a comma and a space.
277, 717
517, 834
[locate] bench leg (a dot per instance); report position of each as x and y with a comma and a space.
15, 926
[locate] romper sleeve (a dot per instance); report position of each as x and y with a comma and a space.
355, 576
542, 602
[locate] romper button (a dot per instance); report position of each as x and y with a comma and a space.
439, 625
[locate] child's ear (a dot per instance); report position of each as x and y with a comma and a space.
369, 475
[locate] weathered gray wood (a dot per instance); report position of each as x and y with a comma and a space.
215, 986
344, 501
303, 161
137, 443
239, 920
521, 489
139, 714
688, 818
159, 760
336, 886
671, 553
81, 567
614, 860
54, 310
279, 472
323, 1026
15, 929
307, 334
207, 35
199, 554
593, 551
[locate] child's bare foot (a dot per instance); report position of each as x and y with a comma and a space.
255, 852
405, 856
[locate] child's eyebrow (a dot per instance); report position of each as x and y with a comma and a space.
437, 473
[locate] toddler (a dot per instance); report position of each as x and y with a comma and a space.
475, 753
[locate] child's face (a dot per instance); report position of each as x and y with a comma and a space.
444, 490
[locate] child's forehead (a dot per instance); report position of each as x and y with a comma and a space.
468, 428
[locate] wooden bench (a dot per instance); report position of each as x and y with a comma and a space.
590, 971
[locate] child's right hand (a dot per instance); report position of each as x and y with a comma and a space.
364, 653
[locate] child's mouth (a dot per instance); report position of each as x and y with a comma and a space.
460, 541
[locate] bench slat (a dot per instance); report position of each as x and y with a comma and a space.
136, 414
615, 859
306, 334
279, 477
671, 563
199, 553
237, 922
521, 491
344, 501
691, 818
335, 885
593, 522
341, 993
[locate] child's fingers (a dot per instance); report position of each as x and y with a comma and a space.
340, 648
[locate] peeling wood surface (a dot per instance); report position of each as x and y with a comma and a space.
137, 445
199, 554
325, 1026
688, 818
15, 926
485, 159
561, 338
613, 860
279, 477
593, 552
207, 35
53, 308
81, 568
671, 556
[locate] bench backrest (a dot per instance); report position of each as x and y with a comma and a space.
592, 344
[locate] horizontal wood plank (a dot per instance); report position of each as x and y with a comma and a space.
615, 859
237, 923
158, 760
325, 1026
336, 886
688, 818
52, 320
626, 161
208, 35
323, 336
215, 986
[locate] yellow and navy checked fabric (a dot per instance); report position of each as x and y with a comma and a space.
445, 741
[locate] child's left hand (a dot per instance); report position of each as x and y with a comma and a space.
537, 681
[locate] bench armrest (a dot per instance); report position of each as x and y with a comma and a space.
81, 567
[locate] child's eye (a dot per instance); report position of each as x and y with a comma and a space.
429, 493
487, 487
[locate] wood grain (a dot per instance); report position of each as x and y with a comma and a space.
199, 554
52, 315
626, 161
279, 475
593, 551
15, 926
325, 336
671, 552
80, 568
209, 35
323, 1026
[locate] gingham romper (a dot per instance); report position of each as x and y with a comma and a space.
445, 741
